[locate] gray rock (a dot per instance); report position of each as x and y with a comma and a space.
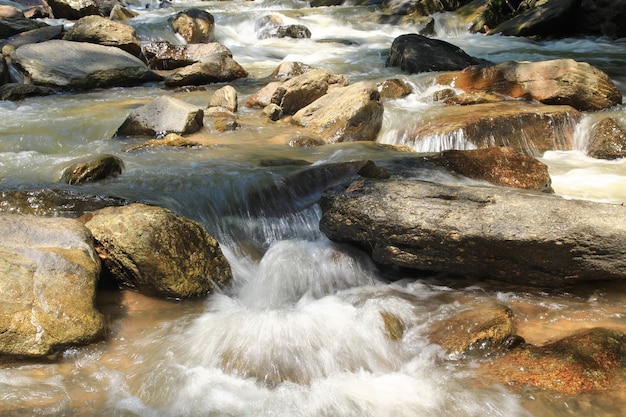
49, 274
12, 26
80, 65
157, 252
480, 232
162, 116
103, 31
352, 113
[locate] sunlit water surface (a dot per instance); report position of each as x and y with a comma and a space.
301, 331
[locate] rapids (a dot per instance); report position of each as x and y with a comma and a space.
301, 332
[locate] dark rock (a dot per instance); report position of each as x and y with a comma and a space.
293, 31
41, 34
91, 168
602, 18
608, 140
12, 26
415, 53
156, 252
73, 9
551, 17
165, 56
19, 91
480, 232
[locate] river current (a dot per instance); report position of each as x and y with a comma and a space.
300, 333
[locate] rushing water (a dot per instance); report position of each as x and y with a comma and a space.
301, 332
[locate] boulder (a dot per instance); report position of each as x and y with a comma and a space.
225, 97
530, 128
193, 25
54, 203
559, 81
80, 65
157, 252
352, 113
91, 168
12, 26
73, 9
545, 18
481, 330
49, 275
302, 90
520, 237
214, 69
607, 140
162, 116
103, 31
590, 360
498, 165
163, 55
415, 53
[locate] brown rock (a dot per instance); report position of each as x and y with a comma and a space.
103, 31
73, 9
263, 97
588, 361
499, 165
225, 97
10, 12
608, 140
290, 69
194, 25
221, 68
91, 168
165, 56
171, 139
394, 88
561, 81
156, 252
530, 128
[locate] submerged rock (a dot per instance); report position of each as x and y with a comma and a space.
415, 53
608, 140
162, 116
49, 275
559, 81
157, 252
91, 168
480, 232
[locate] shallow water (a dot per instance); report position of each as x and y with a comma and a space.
302, 330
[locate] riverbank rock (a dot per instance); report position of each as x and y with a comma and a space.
55, 203
91, 168
193, 25
527, 127
301, 90
73, 9
591, 360
494, 233
103, 31
49, 275
559, 81
80, 65
157, 252
415, 53
212, 69
498, 165
607, 141
348, 114
162, 116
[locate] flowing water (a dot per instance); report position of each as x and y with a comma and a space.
302, 330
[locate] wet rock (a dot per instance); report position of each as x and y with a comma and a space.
480, 232
121, 13
289, 69
544, 18
80, 65
91, 168
162, 116
293, 31
607, 141
480, 330
73, 9
302, 90
394, 88
591, 360
170, 140
263, 97
50, 270
273, 112
103, 31
54, 203
165, 56
352, 113
157, 252
12, 26
37, 35
560, 81
274, 26
499, 165
530, 128
304, 141
225, 97
415, 53
220, 119
194, 25
19, 91
214, 69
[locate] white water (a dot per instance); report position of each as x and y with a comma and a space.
301, 332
